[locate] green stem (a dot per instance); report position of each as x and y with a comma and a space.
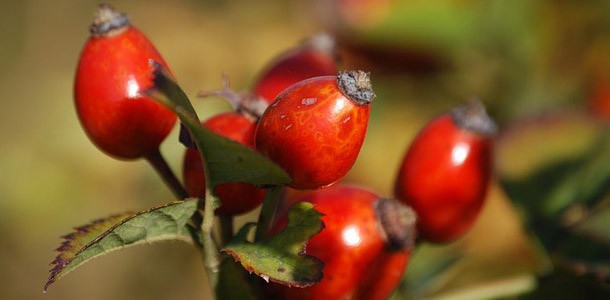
210, 251
211, 255
268, 212
226, 229
160, 165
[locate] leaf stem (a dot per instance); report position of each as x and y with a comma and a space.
160, 165
268, 212
226, 229
211, 255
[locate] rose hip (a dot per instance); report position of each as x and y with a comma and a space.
112, 70
314, 129
365, 245
315, 57
445, 173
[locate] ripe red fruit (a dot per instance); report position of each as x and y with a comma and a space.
235, 197
315, 57
314, 129
365, 245
445, 173
113, 69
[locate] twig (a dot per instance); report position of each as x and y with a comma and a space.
160, 165
226, 229
268, 212
211, 257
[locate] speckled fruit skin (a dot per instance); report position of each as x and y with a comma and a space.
358, 265
313, 131
292, 67
235, 197
444, 178
112, 70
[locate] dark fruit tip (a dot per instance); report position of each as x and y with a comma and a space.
160, 75
356, 85
108, 21
473, 116
397, 222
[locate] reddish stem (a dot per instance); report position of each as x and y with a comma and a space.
160, 165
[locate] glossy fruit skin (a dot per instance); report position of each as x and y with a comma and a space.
313, 131
358, 264
444, 178
235, 197
111, 72
292, 67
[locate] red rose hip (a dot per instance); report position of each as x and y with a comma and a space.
112, 70
235, 197
314, 129
365, 245
446, 171
315, 57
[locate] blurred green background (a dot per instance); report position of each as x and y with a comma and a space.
542, 68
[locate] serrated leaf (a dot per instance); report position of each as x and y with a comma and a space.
166, 222
282, 258
227, 160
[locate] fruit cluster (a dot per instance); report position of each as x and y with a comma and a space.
312, 124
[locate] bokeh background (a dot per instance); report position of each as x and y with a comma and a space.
541, 67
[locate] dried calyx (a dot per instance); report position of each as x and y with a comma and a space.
472, 116
249, 106
356, 85
397, 222
108, 21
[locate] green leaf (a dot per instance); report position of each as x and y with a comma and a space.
587, 185
562, 284
429, 268
532, 172
582, 249
227, 160
166, 222
430, 24
502, 288
530, 193
282, 258
597, 225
